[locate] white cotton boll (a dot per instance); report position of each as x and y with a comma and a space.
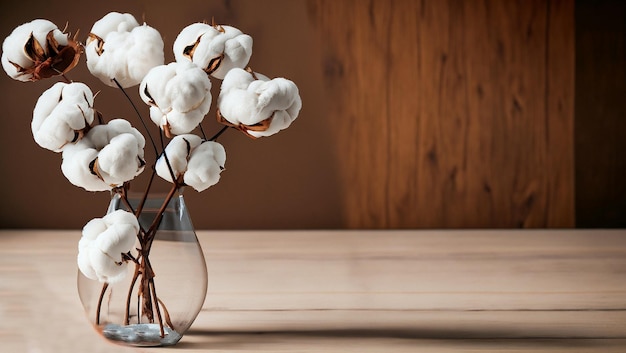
118, 161
206, 162
106, 157
237, 79
201, 44
118, 239
179, 95
119, 48
75, 167
246, 102
114, 22
238, 107
92, 229
188, 89
13, 52
177, 150
106, 268
103, 242
121, 217
84, 263
60, 113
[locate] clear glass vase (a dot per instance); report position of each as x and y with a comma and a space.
165, 287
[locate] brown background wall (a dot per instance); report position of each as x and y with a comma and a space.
417, 114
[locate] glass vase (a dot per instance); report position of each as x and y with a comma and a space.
166, 284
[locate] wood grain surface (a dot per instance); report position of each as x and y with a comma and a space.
452, 113
351, 291
600, 113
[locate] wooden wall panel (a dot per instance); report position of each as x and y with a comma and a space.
600, 113
451, 113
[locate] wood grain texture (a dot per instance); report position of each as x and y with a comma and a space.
452, 113
600, 113
351, 291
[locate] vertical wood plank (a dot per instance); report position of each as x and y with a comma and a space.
451, 113
600, 113
560, 114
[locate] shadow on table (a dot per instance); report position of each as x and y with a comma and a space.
407, 336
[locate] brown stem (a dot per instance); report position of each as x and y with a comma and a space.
130, 291
142, 202
138, 115
104, 289
168, 321
157, 220
218, 133
144, 289
156, 301
123, 192
167, 160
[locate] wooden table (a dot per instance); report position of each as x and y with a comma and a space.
344, 291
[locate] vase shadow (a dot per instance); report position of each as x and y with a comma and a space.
503, 337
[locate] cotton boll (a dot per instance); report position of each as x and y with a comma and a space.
114, 22
121, 217
206, 162
119, 48
103, 242
177, 151
257, 105
106, 268
38, 49
106, 157
61, 113
200, 163
118, 161
75, 167
116, 240
92, 229
84, 263
179, 95
206, 45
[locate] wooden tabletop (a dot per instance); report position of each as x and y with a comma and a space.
351, 291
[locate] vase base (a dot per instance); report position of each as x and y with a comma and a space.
143, 335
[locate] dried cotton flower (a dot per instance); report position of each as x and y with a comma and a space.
215, 48
195, 162
119, 48
106, 157
38, 49
102, 244
179, 95
257, 105
61, 115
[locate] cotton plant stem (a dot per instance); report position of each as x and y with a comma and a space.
104, 289
166, 313
142, 202
202, 131
144, 292
124, 198
157, 220
219, 133
156, 151
167, 160
156, 304
154, 145
65, 79
130, 292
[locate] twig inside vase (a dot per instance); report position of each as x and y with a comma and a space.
130, 291
105, 285
156, 304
